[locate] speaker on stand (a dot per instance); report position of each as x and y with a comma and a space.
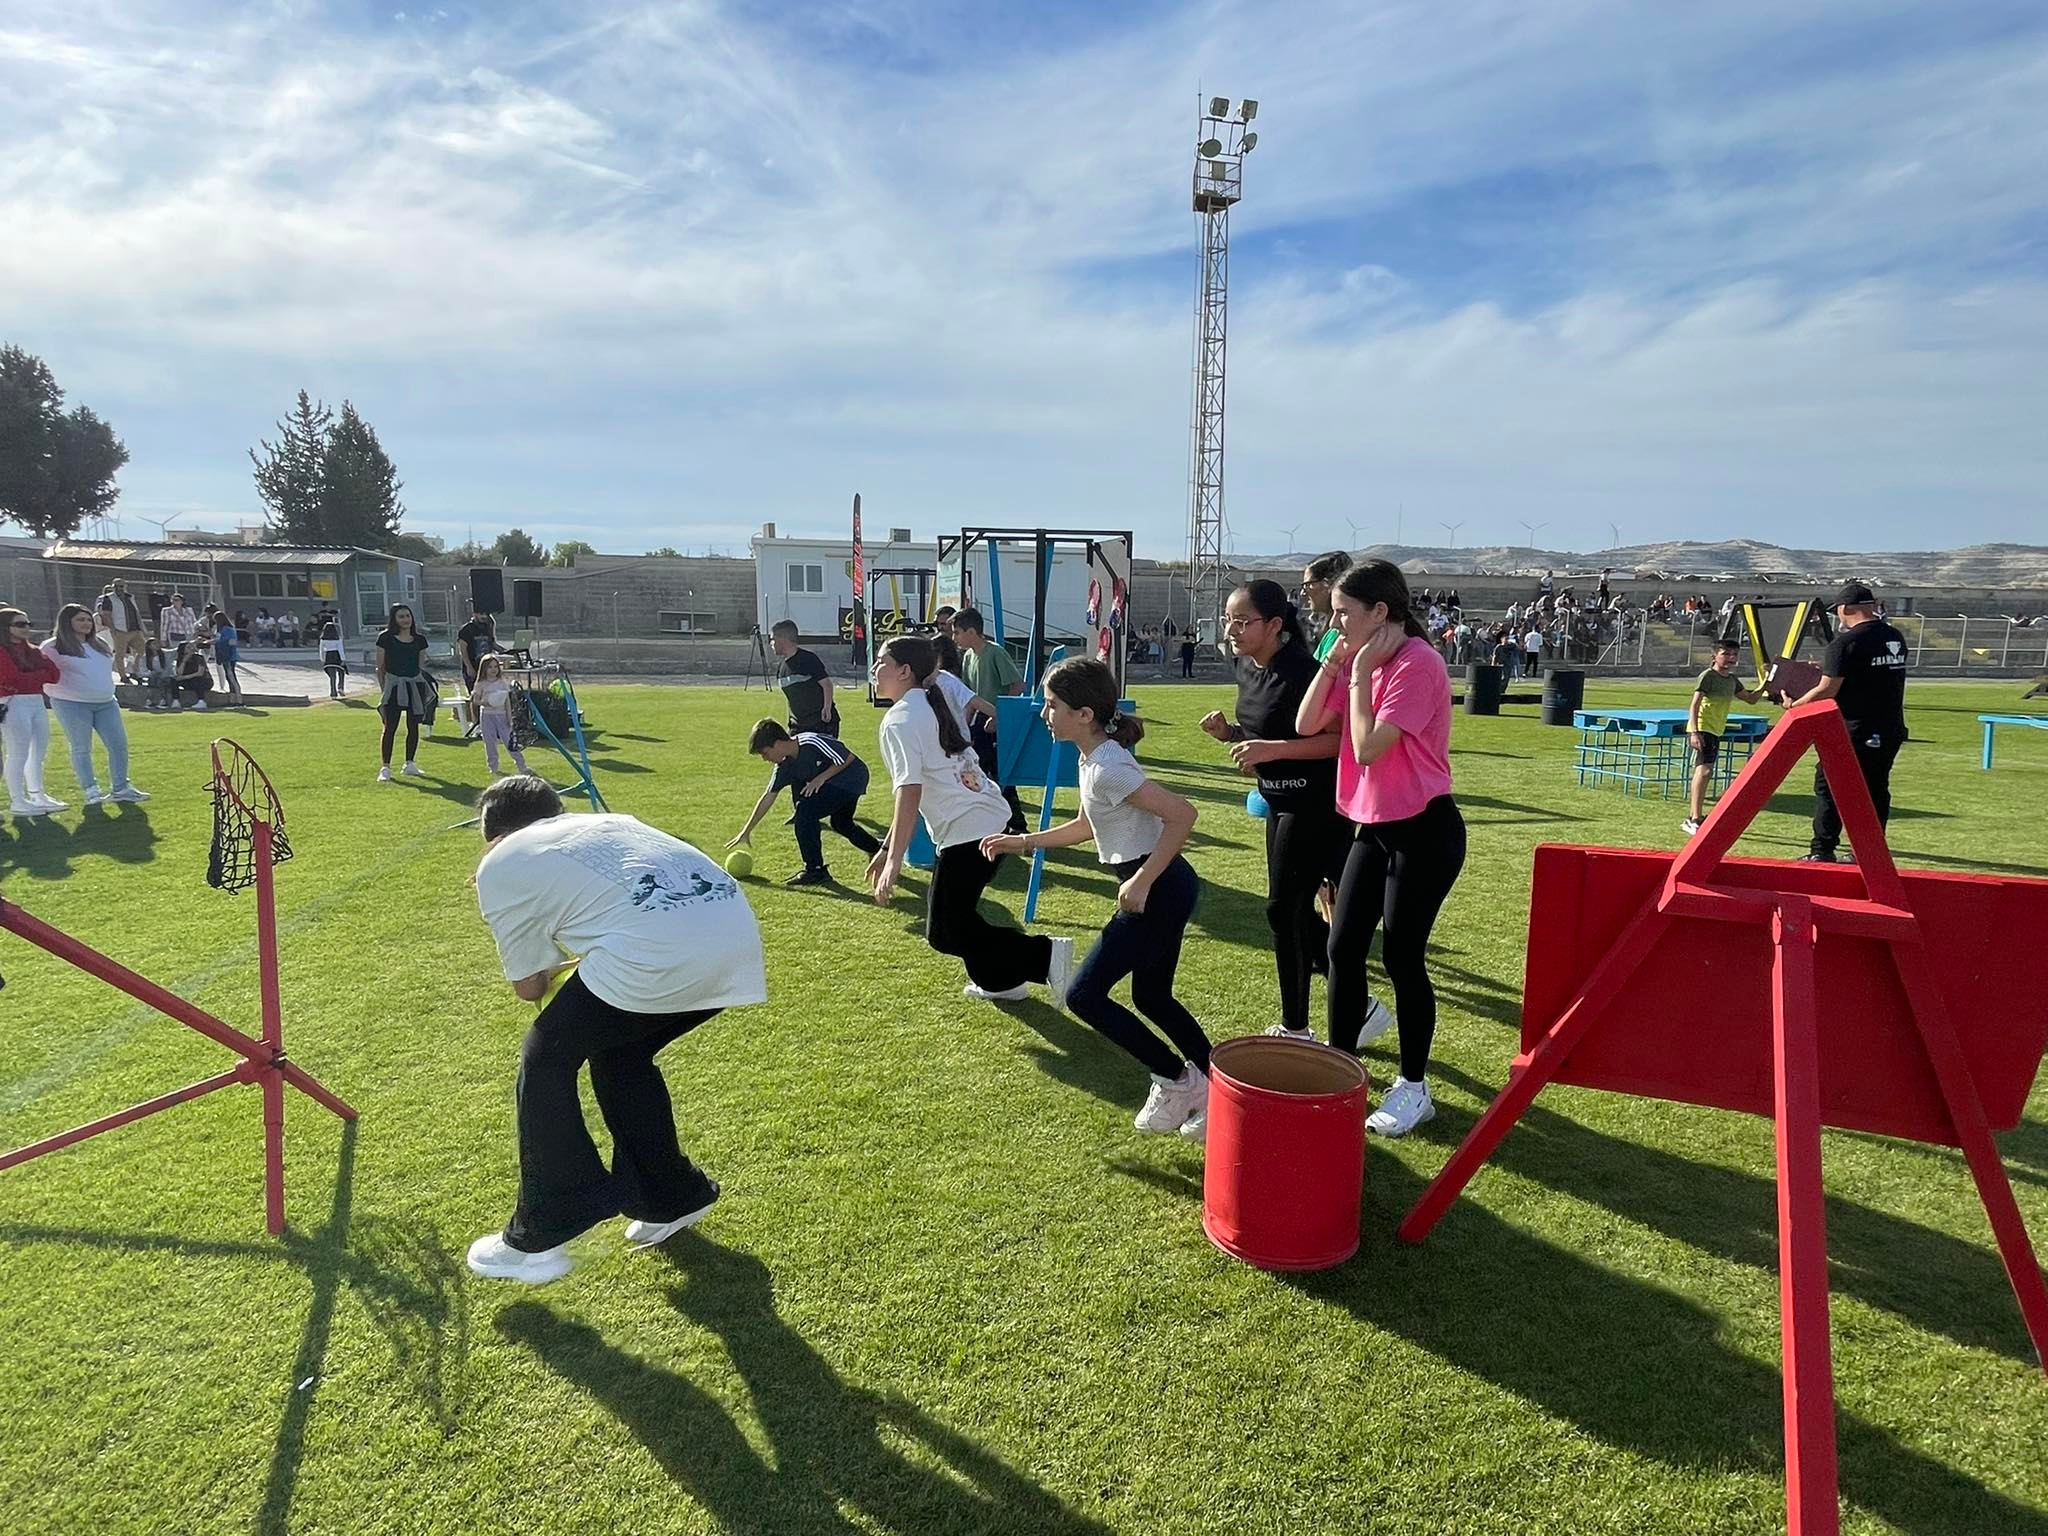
486, 589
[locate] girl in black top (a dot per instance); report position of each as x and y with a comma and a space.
1306, 839
403, 686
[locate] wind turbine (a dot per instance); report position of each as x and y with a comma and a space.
1452, 530
1354, 527
1291, 532
1534, 529
162, 525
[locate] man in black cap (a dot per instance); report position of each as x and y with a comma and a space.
1864, 672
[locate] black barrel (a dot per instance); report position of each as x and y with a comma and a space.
1564, 693
1484, 684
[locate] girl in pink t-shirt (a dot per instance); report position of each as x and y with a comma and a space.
1392, 695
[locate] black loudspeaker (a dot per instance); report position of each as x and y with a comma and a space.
486, 589
526, 599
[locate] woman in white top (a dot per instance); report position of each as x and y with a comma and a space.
83, 698
937, 777
1138, 829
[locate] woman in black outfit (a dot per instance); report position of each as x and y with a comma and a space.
404, 689
1306, 839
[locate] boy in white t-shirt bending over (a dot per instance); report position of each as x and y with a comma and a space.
660, 939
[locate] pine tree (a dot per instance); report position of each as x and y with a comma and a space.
359, 485
57, 468
515, 548
290, 474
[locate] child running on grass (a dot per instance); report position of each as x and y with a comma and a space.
1707, 719
1138, 829
825, 780
491, 699
935, 774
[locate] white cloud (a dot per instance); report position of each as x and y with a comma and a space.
653, 267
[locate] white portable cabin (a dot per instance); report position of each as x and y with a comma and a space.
811, 580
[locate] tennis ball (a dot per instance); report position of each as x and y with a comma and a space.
739, 863
1255, 805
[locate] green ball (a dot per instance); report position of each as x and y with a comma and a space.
739, 863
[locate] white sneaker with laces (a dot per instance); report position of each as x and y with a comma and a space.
1378, 1020
649, 1234
1059, 974
47, 802
199, 703
1015, 994
1689, 826
413, 770
27, 808
1174, 1100
95, 796
384, 774
1196, 1128
128, 794
1405, 1107
1282, 1032
495, 1259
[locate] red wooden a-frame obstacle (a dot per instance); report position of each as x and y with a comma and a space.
1853, 996
248, 839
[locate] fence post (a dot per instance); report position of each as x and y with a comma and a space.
1962, 641
2005, 646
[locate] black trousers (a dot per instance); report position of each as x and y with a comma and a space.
391, 712
1397, 873
997, 959
834, 805
1144, 946
564, 1187
1875, 753
983, 740
1303, 849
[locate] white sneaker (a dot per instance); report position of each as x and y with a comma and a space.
1378, 1020
1689, 826
1281, 1031
384, 774
1196, 1128
95, 796
47, 802
1405, 1107
495, 1259
128, 794
1174, 1100
1059, 973
649, 1234
413, 771
178, 706
27, 808
1015, 994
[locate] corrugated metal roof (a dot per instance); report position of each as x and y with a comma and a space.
242, 554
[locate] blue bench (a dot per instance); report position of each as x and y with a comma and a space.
1993, 722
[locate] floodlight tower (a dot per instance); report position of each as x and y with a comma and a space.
1222, 141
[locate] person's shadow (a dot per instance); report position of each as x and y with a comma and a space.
828, 1441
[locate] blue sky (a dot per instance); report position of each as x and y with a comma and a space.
654, 274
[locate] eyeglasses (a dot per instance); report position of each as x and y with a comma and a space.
1232, 626
20, 624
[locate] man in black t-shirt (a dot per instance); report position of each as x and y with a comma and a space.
473, 642
806, 685
1864, 672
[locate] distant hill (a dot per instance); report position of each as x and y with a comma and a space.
1978, 565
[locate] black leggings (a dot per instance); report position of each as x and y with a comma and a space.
391, 712
564, 1187
1398, 872
1303, 849
997, 959
1144, 946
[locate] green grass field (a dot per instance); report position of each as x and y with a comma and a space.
948, 1289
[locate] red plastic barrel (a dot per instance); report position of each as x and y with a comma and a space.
1285, 1163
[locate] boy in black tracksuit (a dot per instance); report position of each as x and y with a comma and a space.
825, 779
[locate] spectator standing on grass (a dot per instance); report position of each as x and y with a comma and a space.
226, 653
490, 699
1187, 654
177, 624
83, 697
24, 718
160, 672
1507, 653
1864, 672
661, 940
1532, 652
332, 660
1707, 720
992, 673
806, 685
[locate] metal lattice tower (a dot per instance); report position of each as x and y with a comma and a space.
1221, 144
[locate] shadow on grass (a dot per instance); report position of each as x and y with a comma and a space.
413, 1288
829, 1441
1792, 803
1518, 813
44, 847
1076, 1055
1625, 1360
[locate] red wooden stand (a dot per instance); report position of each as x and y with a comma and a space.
263, 1061
1933, 1029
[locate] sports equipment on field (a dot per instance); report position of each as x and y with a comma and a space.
739, 863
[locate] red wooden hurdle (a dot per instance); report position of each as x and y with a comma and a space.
245, 807
1933, 1029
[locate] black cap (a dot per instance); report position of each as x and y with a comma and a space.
1853, 595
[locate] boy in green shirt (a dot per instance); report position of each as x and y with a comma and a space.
1712, 695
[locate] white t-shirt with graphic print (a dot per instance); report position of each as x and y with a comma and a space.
657, 926
958, 803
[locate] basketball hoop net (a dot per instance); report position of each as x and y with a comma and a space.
248, 841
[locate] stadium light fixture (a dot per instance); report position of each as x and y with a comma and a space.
1249, 143
1219, 106
1248, 111
1209, 147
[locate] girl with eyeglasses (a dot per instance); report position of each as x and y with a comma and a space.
83, 697
24, 718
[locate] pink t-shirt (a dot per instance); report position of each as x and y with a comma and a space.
1414, 692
